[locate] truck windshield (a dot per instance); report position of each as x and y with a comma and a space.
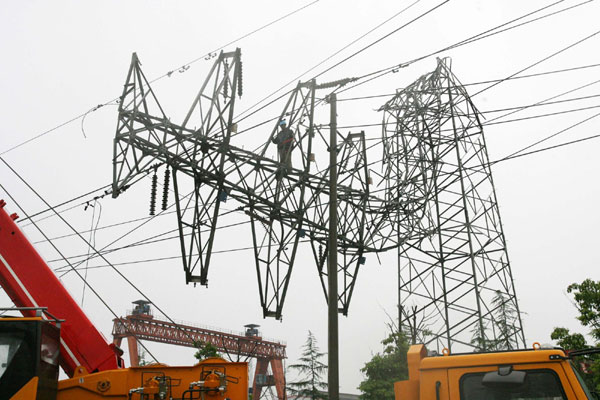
587, 391
542, 384
8, 349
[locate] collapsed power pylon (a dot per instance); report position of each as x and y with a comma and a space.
455, 278
140, 324
283, 205
434, 200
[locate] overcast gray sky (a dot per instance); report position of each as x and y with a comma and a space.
63, 58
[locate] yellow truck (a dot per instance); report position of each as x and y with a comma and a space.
538, 373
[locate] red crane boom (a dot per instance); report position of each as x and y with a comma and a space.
30, 282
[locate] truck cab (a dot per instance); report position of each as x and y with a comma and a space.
29, 353
541, 374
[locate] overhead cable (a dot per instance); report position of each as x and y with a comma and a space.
86, 283
89, 244
183, 68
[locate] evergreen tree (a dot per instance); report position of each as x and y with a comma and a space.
385, 368
205, 350
311, 383
480, 339
505, 319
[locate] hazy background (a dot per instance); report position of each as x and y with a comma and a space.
61, 59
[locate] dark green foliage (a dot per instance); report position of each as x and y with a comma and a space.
568, 341
480, 339
588, 366
312, 370
205, 350
385, 368
587, 301
505, 318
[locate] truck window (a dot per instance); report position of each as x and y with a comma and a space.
8, 349
585, 388
541, 384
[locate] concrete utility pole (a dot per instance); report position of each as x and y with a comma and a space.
332, 301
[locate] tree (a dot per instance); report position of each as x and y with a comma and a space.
205, 350
505, 319
568, 341
480, 340
311, 369
385, 368
587, 301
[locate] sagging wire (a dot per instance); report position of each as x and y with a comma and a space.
94, 109
181, 69
482, 35
320, 63
116, 270
92, 238
61, 254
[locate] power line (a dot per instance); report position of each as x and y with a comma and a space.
231, 250
482, 35
319, 64
238, 119
89, 244
546, 149
539, 104
571, 69
150, 240
547, 100
510, 157
342, 61
383, 37
541, 115
67, 202
86, 283
370, 125
117, 224
183, 68
105, 251
538, 62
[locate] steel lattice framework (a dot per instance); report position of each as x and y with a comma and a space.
455, 281
283, 205
135, 327
434, 201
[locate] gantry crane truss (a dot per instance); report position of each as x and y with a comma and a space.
136, 326
441, 213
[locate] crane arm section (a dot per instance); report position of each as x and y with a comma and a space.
30, 282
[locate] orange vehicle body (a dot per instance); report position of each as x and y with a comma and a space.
117, 384
444, 377
54, 330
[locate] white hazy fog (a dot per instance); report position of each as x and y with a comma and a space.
63, 58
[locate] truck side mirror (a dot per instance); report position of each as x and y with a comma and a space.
504, 378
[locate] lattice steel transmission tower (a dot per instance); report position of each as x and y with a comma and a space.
434, 201
284, 205
456, 284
